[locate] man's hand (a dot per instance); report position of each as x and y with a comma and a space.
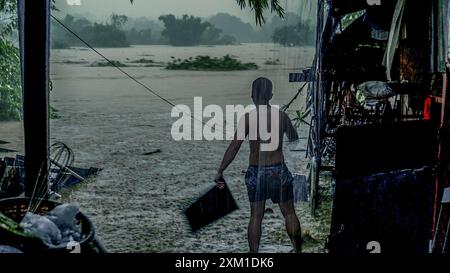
220, 182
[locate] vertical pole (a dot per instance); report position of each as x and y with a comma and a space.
35, 94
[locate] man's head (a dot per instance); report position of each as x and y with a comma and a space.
262, 91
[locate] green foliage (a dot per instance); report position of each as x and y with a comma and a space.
235, 27
191, 31
259, 6
9, 225
211, 35
118, 20
97, 34
10, 85
348, 19
105, 35
140, 37
8, 21
295, 35
299, 118
206, 63
186, 31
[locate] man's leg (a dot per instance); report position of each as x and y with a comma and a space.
292, 224
254, 227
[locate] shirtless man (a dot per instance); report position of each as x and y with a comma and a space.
267, 176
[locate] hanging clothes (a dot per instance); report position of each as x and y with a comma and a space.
441, 34
394, 36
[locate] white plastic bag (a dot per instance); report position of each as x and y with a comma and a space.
42, 228
64, 216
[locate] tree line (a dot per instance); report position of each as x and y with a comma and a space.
184, 31
220, 29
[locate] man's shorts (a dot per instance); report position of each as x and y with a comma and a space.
274, 182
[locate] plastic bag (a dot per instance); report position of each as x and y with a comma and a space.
64, 216
375, 90
42, 228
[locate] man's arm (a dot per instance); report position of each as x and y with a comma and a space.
232, 151
290, 130
229, 156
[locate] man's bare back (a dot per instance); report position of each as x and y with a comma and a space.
269, 158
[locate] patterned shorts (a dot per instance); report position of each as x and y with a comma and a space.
274, 182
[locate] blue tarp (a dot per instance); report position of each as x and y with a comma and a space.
13, 186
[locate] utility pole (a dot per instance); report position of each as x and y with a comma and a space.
35, 24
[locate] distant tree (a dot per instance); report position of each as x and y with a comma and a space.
259, 6
211, 35
140, 37
141, 23
186, 31
118, 20
290, 19
287, 35
295, 35
234, 26
97, 34
105, 35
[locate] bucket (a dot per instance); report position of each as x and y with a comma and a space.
16, 208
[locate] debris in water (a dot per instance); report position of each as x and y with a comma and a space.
145, 125
154, 152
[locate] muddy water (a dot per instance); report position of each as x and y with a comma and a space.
137, 201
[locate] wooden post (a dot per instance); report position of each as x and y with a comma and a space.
36, 22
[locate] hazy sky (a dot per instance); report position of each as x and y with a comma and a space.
154, 8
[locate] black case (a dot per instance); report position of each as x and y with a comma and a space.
213, 205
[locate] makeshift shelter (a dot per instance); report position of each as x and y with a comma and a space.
380, 113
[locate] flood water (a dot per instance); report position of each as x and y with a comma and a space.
137, 201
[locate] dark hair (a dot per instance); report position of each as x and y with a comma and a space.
262, 89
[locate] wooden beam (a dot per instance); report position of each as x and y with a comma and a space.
36, 23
